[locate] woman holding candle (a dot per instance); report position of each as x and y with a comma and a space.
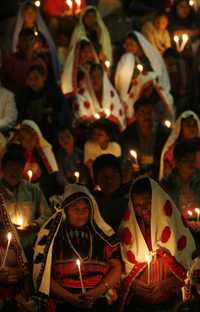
156, 248
77, 232
140, 71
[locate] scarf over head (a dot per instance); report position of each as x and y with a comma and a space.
158, 78
169, 238
43, 249
42, 28
174, 135
80, 32
43, 147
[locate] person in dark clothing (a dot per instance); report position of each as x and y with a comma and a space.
111, 198
146, 137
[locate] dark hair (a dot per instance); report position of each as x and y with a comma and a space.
27, 33
142, 102
171, 52
131, 35
102, 124
106, 161
183, 148
141, 186
15, 153
84, 43
161, 13
96, 66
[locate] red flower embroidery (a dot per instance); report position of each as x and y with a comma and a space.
166, 233
111, 107
86, 104
181, 244
127, 214
130, 256
126, 236
168, 208
112, 93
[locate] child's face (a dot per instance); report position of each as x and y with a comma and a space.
161, 23
132, 46
86, 55
189, 128
142, 206
100, 137
29, 16
35, 81
66, 140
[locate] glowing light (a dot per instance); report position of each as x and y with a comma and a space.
36, 33
9, 236
78, 263
176, 39
78, 2
133, 154
168, 123
96, 116
107, 112
69, 3
37, 3
77, 175
140, 67
191, 3
190, 213
107, 63
30, 174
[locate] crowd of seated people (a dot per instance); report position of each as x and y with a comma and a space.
99, 159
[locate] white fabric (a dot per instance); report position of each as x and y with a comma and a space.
43, 144
70, 189
92, 150
159, 220
8, 110
176, 130
80, 32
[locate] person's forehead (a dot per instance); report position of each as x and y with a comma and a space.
83, 202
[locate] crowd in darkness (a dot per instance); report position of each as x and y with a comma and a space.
100, 156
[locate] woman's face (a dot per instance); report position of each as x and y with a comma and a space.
142, 206
96, 80
90, 19
132, 46
161, 23
189, 128
35, 81
28, 138
86, 55
183, 9
78, 213
29, 15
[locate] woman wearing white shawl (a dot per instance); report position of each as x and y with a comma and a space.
89, 107
41, 28
156, 248
46, 251
132, 80
166, 160
103, 36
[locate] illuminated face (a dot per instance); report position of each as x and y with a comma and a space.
189, 128
35, 81
28, 138
142, 206
29, 16
109, 180
78, 213
132, 46
161, 23
66, 140
96, 80
12, 173
183, 9
100, 137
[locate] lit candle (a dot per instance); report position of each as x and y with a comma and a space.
96, 116
9, 236
19, 221
167, 123
107, 112
37, 3
134, 155
140, 67
148, 260
197, 210
77, 175
80, 276
190, 214
30, 175
191, 3
78, 3
176, 40
35, 33
70, 5
185, 39
107, 64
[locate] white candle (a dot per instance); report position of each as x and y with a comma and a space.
96, 116
77, 175
148, 260
80, 275
78, 3
19, 221
37, 3
70, 5
190, 214
107, 63
133, 154
36, 33
30, 174
140, 67
197, 210
176, 40
185, 39
107, 112
9, 236
168, 123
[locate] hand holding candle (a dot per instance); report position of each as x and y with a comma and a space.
78, 263
77, 175
9, 236
30, 174
197, 210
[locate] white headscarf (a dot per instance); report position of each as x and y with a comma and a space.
44, 147
168, 234
80, 32
102, 229
175, 133
44, 31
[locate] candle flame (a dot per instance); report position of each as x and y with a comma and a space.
190, 213
140, 67
36, 33
37, 3
168, 123
176, 38
197, 210
78, 2
107, 63
148, 258
78, 262
77, 174
185, 37
97, 116
191, 2
30, 174
107, 112
69, 3
9, 236
133, 154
